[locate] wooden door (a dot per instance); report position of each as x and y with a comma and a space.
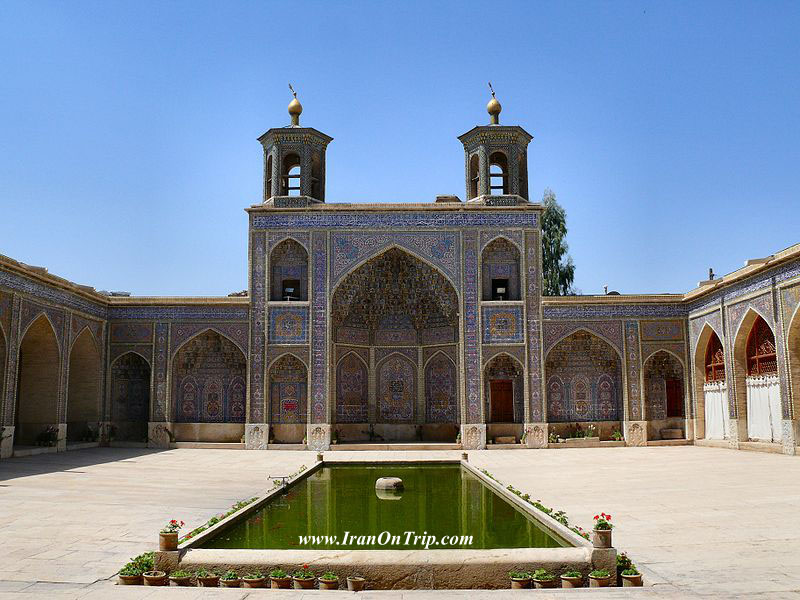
674, 398
501, 401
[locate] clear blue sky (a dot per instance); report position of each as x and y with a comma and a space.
670, 131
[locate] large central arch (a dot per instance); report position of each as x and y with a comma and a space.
395, 329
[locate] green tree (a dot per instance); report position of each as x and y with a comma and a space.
558, 271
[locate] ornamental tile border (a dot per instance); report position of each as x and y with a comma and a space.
275, 238
632, 362
319, 327
612, 311
19, 283
611, 331
117, 350
179, 313
503, 325
470, 311
404, 220
160, 375
294, 317
258, 301
533, 305
183, 332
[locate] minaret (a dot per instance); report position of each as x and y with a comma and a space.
294, 162
496, 160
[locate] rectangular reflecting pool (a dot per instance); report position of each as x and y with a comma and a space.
340, 500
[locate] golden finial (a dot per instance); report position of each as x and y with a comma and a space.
295, 108
493, 108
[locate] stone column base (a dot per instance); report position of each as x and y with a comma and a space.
605, 558
157, 435
737, 432
256, 436
689, 424
318, 436
635, 433
473, 437
6, 441
791, 429
536, 435
61, 444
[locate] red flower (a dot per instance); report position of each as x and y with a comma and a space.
305, 567
608, 517
596, 517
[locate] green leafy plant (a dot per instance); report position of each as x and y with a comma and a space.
204, 573
572, 574
616, 435
543, 575
278, 573
600, 574
553, 438
256, 575
230, 575
631, 571
304, 573
329, 576
603, 522
180, 573
519, 574
623, 562
173, 526
145, 561
131, 568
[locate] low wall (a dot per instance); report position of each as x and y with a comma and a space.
208, 432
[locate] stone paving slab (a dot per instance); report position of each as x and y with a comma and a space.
707, 522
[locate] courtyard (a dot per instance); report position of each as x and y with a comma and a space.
700, 522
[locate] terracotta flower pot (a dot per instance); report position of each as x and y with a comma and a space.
230, 582
632, 580
156, 578
258, 582
601, 538
208, 581
167, 541
571, 582
280, 583
597, 582
184, 581
356, 584
329, 584
542, 584
521, 583
303, 584
131, 580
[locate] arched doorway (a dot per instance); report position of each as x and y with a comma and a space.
711, 389
583, 375
130, 397
83, 389
664, 393
758, 396
37, 387
504, 393
288, 400
793, 344
208, 379
394, 313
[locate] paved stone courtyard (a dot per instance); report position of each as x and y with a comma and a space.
702, 522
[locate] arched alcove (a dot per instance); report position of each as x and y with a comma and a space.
37, 387
500, 268
288, 398
130, 397
712, 416
504, 393
83, 389
793, 345
288, 272
352, 389
664, 385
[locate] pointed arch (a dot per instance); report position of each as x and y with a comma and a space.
710, 387
130, 396
589, 368
587, 330
664, 384
84, 379
793, 360
288, 390
288, 270
83, 330
39, 371
441, 389
203, 331
504, 389
352, 389
3, 355
500, 270
396, 389
757, 394
203, 369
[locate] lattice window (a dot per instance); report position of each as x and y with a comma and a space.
761, 356
715, 360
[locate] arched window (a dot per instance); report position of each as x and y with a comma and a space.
268, 190
498, 174
761, 357
289, 272
500, 271
715, 360
474, 176
290, 179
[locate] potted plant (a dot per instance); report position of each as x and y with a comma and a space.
206, 578
571, 579
253, 580
356, 583
181, 577
543, 579
155, 578
279, 579
520, 580
168, 536
602, 531
617, 435
303, 579
631, 577
328, 581
230, 579
130, 574
599, 578
623, 562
